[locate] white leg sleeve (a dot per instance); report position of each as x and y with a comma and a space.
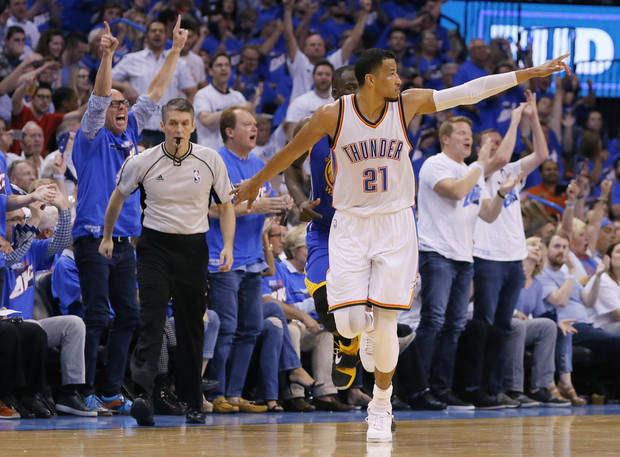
352, 321
386, 346
473, 91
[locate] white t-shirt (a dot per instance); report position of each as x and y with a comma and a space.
446, 226
211, 100
196, 67
608, 300
305, 105
503, 239
301, 69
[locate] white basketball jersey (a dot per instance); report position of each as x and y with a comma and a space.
372, 170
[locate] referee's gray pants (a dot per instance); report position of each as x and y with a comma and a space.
171, 266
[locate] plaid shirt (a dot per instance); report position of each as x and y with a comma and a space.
7, 65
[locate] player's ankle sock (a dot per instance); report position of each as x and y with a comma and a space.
382, 397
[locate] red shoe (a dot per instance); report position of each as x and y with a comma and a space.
8, 413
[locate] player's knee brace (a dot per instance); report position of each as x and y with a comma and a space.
386, 347
351, 321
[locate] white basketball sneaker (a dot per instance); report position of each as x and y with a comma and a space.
367, 351
379, 424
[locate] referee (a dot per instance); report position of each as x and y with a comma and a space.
177, 179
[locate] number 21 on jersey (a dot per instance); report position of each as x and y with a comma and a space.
371, 175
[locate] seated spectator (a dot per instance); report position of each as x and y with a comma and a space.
64, 332
607, 235
591, 154
615, 192
23, 351
570, 300
22, 175
66, 284
550, 188
537, 332
606, 311
92, 58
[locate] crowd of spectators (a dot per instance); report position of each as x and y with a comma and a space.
535, 162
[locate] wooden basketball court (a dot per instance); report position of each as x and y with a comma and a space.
591, 431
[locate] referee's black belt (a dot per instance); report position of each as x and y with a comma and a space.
120, 239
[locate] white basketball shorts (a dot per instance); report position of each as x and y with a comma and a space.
372, 259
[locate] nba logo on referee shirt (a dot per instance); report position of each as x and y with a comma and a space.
196, 175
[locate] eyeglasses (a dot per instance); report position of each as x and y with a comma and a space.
116, 104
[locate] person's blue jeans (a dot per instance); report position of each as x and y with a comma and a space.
445, 294
106, 281
497, 286
564, 353
236, 297
271, 340
605, 346
212, 329
288, 357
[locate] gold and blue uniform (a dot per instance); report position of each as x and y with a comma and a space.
322, 179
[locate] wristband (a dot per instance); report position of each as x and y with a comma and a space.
477, 165
570, 206
499, 194
56, 176
570, 277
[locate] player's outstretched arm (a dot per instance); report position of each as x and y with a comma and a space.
323, 122
426, 101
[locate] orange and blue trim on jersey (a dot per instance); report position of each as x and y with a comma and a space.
375, 124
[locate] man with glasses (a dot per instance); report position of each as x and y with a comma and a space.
108, 134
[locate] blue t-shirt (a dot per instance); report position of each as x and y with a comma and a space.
531, 300
248, 248
551, 281
97, 162
19, 278
66, 286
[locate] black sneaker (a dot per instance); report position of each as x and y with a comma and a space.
426, 401
142, 411
482, 400
34, 406
166, 403
73, 403
453, 402
195, 417
547, 399
506, 401
524, 400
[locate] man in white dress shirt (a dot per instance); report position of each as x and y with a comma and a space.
134, 73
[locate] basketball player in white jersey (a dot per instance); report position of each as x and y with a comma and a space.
373, 241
